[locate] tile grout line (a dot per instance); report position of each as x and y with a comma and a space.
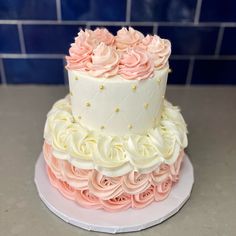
190, 71
197, 12
219, 40
118, 23
2, 72
155, 28
21, 38
128, 10
58, 9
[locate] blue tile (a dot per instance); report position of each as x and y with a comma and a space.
34, 71
96, 10
228, 42
218, 11
179, 70
163, 10
190, 40
214, 72
28, 10
9, 39
49, 38
113, 29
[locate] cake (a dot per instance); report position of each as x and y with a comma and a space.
114, 142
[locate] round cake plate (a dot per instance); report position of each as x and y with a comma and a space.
125, 221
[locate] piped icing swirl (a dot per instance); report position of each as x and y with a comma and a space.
115, 155
91, 189
135, 64
104, 62
128, 54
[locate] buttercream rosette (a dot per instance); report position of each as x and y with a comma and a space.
91, 189
128, 54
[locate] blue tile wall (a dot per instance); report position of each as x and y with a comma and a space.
9, 39
35, 35
28, 9
49, 38
96, 10
34, 71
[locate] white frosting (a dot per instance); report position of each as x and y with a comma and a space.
115, 155
117, 106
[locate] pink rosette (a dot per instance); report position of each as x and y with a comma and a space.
127, 38
159, 50
65, 189
135, 64
80, 51
103, 35
104, 187
77, 178
119, 203
145, 42
134, 183
163, 189
143, 199
105, 61
87, 200
52, 162
160, 174
175, 167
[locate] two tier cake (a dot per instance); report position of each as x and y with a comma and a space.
114, 142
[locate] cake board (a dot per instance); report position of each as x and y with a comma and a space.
125, 221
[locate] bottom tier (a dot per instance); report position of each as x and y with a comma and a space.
91, 189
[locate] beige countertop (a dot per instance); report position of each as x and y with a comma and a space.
210, 113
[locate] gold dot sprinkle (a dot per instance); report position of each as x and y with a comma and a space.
101, 87
130, 126
159, 81
146, 106
134, 88
102, 127
169, 71
163, 96
88, 104
76, 78
79, 117
117, 109
71, 94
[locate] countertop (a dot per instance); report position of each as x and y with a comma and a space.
210, 113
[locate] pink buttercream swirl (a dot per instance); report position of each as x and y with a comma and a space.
103, 35
80, 51
135, 64
145, 42
159, 49
126, 38
105, 61
91, 189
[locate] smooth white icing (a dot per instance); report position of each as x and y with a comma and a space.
115, 155
95, 102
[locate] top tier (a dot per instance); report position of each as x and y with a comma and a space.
117, 83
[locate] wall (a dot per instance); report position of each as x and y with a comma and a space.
36, 34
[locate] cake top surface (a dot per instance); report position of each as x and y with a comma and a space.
129, 54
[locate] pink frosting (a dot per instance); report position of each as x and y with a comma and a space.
145, 42
135, 64
128, 38
103, 35
104, 62
159, 50
91, 189
80, 51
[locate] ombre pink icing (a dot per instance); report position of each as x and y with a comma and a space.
159, 50
104, 61
91, 189
80, 51
98, 53
135, 64
103, 35
127, 38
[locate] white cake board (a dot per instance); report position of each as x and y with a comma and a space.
125, 221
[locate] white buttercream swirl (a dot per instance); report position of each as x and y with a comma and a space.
115, 156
